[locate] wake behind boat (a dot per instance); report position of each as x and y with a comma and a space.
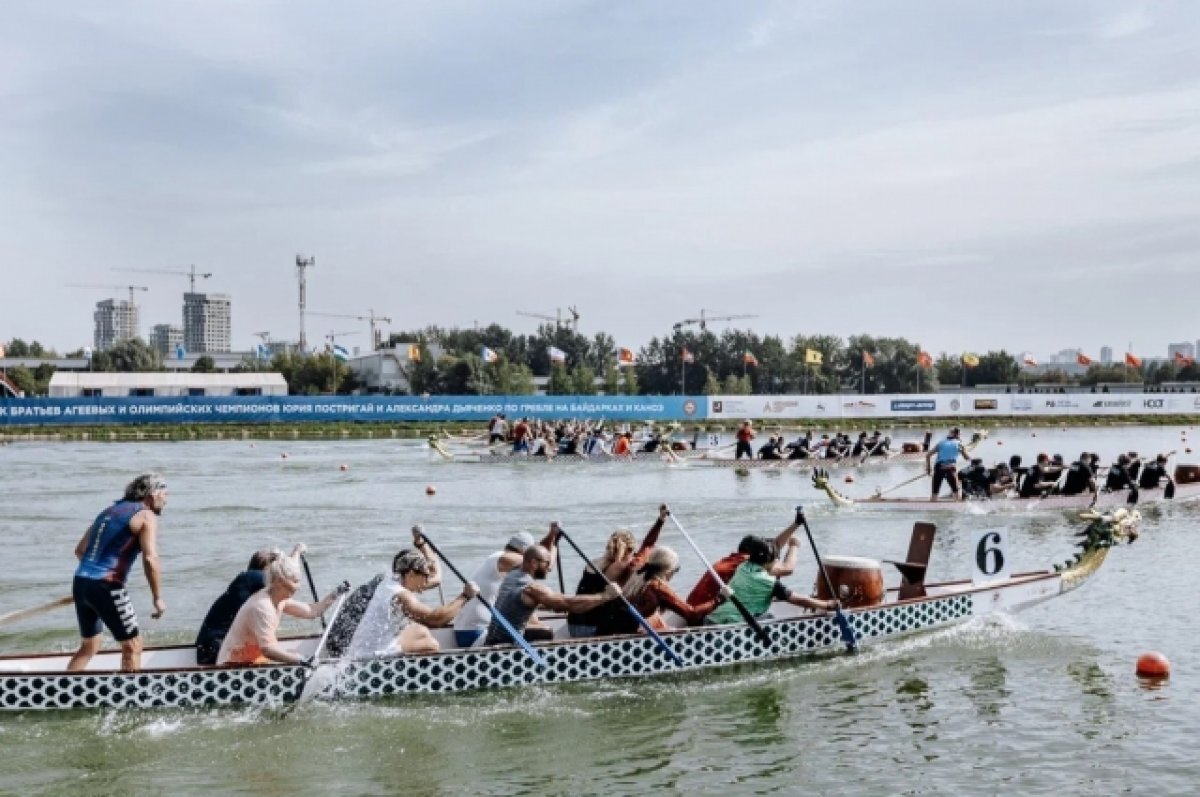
1183, 487
170, 677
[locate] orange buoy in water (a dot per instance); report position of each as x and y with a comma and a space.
849, 479
343, 466
1187, 450
999, 442
1153, 665
430, 490
283, 455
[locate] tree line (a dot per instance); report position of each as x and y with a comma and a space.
733, 362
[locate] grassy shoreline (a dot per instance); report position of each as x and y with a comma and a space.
401, 431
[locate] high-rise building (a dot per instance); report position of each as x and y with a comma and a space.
116, 320
206, 323
1106, 355
1185, 349
165, 339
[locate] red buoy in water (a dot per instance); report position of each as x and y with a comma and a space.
430, 490
343, 466
1153, 665
849, 479
283, 455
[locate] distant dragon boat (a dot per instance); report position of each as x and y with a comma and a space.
171, 679
1183, 487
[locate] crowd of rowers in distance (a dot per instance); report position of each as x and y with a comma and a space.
542, 438
1050, 475
840, 446
585, 438
386, 616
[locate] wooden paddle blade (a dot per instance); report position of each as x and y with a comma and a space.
1169, 490
1132, 498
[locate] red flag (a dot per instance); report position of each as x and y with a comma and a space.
868, 359
625, 357
1136, 362
924, 359
687, 356
1183, 360
750, 359
1083, 359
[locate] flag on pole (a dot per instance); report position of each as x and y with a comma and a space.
263, 352
1181, 359
557, 355
1029, 359
180, 352
625, 357
1083, 359
813, 357
686, 356
924, 359
1, 350
1136, 362
868, 359
340, 353
487, 355
414, 352
970, 360
750, 359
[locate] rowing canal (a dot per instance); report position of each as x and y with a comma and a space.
1043, 702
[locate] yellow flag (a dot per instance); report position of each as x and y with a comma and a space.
970, 360
813, 357
414, 352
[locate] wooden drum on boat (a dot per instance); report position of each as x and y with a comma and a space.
858, 581
1187, 474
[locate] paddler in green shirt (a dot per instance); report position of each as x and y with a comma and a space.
756, 588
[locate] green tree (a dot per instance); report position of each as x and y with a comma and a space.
204, 365
134, 355
629, 381
712, 387
560, 383
24, 379
612, 380
583, 381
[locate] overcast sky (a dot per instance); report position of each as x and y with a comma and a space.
967, 175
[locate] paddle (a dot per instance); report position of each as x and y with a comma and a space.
312, 585
839, 616
667, 649
879, 493
33, 611
1169, 490
759, 631
311, 664
505, 624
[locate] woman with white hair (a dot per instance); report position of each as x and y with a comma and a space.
649, 590
251, 638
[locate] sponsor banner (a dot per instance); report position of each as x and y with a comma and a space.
293, 409
914, 405
951, 405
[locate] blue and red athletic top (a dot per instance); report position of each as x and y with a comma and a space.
111, 547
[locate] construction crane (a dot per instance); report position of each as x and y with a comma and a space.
704, 319
557, 318
369, 317
130, 288
191, 274
302, 264
333, 336
266, 337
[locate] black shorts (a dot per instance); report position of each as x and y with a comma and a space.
948, 474
100, 605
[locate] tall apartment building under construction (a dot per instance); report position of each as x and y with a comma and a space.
207, 323
116, 320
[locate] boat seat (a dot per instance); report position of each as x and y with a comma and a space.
912, 569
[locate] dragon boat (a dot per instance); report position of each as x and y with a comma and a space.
170, 677
1184, 486
505, 454
909, 453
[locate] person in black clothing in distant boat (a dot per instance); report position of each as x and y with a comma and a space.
1153, 473
1118, 477
1080, 476
1036, 482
